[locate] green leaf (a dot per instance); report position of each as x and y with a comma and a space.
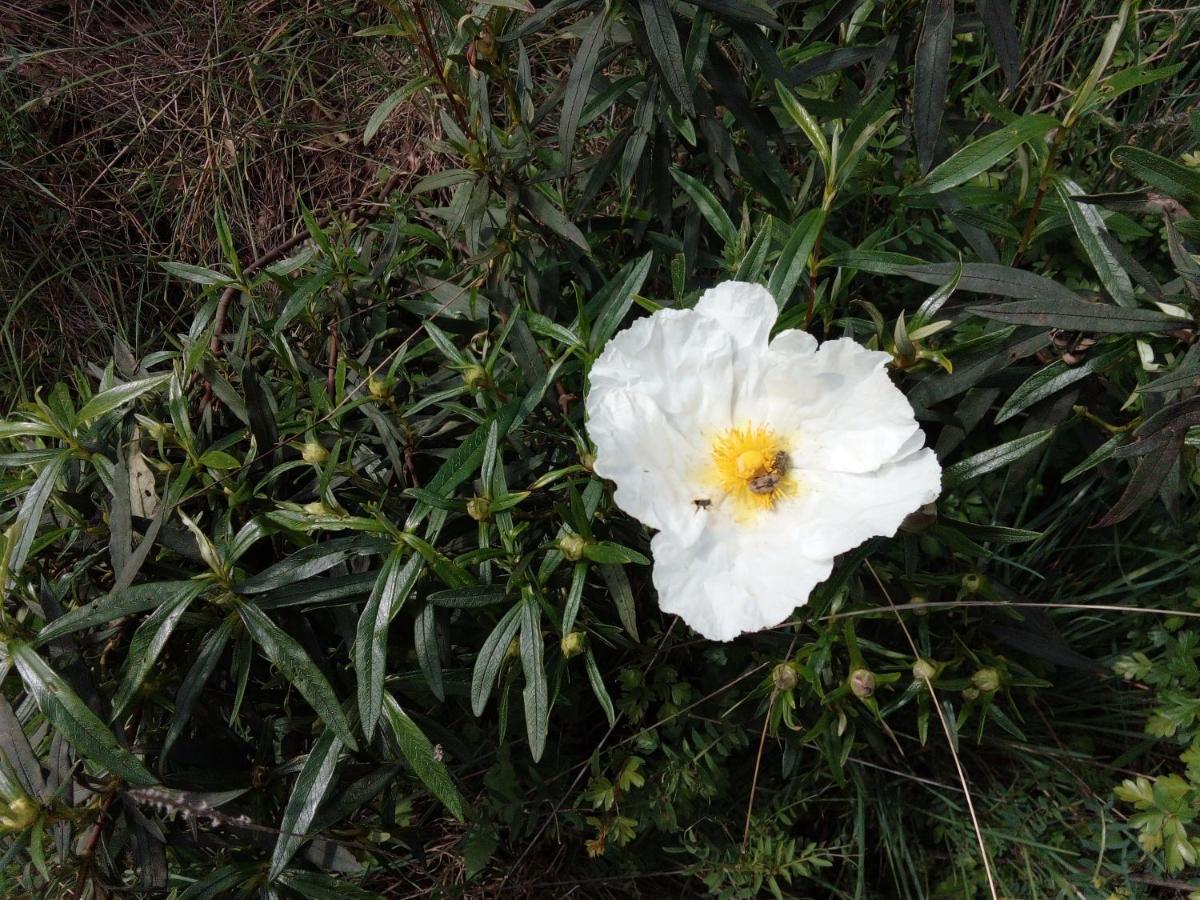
793, 259
491, 658
1079, 315
983, 278
712, 210
1152, 469
931, 77
312, 784
746, 10
311, 561
995, 458
194, 681
608, 552
118, 395
574, 596
664, 43
549, 215
145, 646
535, 694
980, 155
297, 668
394, 99
622, 595
71, 718
301, 295
578, 82
1092, 233
29, 517
16, 751
429, 656
812, 130
122, 603
469, 597
996, 534
1169, 177
1002, 34
195, 274
598, 688
1052, 379
619, 294
419, 753
392, 587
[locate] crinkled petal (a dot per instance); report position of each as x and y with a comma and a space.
734, 580
649, 460
744, 310
836, 511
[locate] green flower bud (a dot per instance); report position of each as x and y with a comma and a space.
924, 670
573, 644
476, 378
158, 431
571, 546
380, 388
862, 683
317, 508
479, 509
986, 679
587, 459
785, 676
314, 453
973, 582
18, 815
919, 600
970, 694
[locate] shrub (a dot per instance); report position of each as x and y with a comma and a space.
325, 597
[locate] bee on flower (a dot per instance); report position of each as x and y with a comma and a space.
756, 459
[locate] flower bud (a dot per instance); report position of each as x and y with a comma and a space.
587, 459
986, 679
476, 378
158, 430
314, 453
18, 814
317, 508
784, 676
573, 644
970, 694
973, 582
919, 601
924, 670
479, 509
380, 388
862, 683
571, 546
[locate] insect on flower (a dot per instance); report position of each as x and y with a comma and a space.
796, 452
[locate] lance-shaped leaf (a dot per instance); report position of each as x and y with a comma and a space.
664, 42
297, 668
145, 646
21, 533
980, 155
118, 395
312, 784
421, 755
931, 77
578, 82
72, 719
1092, 233
193, 683
127, 602
535, 694
994, 458
1002, 33
1079, 315
491, 658
710, 207
392, 587
1169, 177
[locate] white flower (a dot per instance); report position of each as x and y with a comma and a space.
757, 462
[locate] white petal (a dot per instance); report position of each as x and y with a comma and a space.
654, 466
746, 311
734, 580
836, 511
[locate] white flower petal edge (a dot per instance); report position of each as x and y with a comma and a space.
758, 461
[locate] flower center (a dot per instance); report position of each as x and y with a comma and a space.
752, 467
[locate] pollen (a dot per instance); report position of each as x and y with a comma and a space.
752, 467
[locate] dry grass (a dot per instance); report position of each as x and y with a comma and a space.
125, 123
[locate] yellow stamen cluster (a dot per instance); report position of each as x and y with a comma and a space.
752, 468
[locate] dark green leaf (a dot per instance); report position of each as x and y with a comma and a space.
194, 681
1079, 315
419, 753
578, 82
622, 595
491, 657
664, 42
1170, 177
392, 587
535, 694
1002, 33
980, 155
71, 717
127, 602
1091, 231
995, 458
145, 646
312, 784
598, 688
931, 76
297, 668
469, 597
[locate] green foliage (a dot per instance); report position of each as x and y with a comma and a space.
325, 586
